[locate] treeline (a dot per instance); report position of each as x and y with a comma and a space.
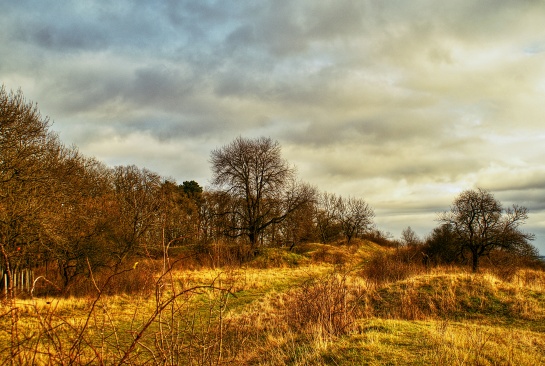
71, 214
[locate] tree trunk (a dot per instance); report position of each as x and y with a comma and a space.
475, 262
253, 239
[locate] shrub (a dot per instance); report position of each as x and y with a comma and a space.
394, 266
330, 304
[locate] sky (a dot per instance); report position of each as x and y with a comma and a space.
404, 104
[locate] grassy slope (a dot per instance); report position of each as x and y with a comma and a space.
309, 307
449, 319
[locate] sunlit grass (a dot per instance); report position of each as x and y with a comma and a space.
401, 342
318, 312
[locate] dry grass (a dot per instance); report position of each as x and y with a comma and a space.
460, 296
402, 342
321, 311
463, 344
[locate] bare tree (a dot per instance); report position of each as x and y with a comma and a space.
335, 216
355, 216
409, 237
137, 195
212, 218
74, 232
53, 201
327, 217
298, 226
481, 225
25, 148
260, 183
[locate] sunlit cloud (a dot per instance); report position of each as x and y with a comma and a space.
405, 104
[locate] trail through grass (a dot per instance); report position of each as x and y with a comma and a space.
317, 312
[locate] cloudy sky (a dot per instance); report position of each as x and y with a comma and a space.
402, 103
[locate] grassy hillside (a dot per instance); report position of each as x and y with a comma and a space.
317, 305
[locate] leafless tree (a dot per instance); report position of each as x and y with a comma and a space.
481, 225
25, 149
336, 216
327, 217
409, 237
298, 226
355, 216
260, 183
137, 197
74, 235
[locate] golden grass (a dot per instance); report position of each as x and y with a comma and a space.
460, 296
319, 312
402, 342
463, 344
250, 278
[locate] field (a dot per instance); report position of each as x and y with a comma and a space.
318, 305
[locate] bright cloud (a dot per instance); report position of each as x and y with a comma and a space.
402, 103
